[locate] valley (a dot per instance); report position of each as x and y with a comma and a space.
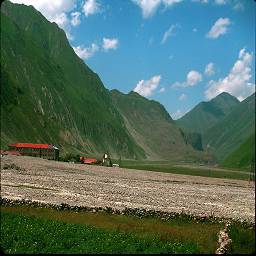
177, 183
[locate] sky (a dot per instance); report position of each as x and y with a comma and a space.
177, 52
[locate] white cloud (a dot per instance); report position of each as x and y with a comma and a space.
182, 97
201, 1
49, 8
110, 44
75, 21
61, 19
86, 53
219, 28
171, 2
54, 11
162, 90
149, 7
237, 81
193, 78
146, 88
91, 7
220, 2
194, 30
169, 32
209, 69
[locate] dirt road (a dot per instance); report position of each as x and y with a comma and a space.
95, 186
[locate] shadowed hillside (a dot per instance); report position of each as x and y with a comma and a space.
152, 127
48, 93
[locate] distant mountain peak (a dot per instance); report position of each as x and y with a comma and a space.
206, 114
225, 95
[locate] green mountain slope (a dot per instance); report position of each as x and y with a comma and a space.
243, 156
206, 114
152, 127
49, 95
233, 130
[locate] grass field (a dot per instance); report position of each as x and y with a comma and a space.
49, 230
22, 234
43, 230
243, 240
169, 167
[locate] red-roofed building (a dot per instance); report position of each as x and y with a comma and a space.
39, 150
10, 152
88, 160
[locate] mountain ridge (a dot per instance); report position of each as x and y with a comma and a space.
206, 114
49, 95
230, 132
52, 96
158, 131
56, 86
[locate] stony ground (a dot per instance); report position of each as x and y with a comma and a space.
95, 186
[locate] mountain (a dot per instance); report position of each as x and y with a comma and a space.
49, 95
206, 114
243, 156
152, 127
229, 133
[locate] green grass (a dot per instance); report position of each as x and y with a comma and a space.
27, 229
169, 167
25, 234
243, 240
243, 156
201, 236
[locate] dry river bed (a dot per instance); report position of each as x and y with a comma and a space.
96, 186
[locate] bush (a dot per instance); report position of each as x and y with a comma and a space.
70, 157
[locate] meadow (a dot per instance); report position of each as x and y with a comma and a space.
187, 169
43, 230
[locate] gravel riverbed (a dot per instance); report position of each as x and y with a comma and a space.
96, 186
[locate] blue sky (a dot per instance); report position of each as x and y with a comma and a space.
178, 52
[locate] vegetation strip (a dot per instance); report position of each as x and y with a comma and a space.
176, 231
141, 213
203, 235
28, 186
227, 174
48, 236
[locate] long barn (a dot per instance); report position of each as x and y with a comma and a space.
47, 151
